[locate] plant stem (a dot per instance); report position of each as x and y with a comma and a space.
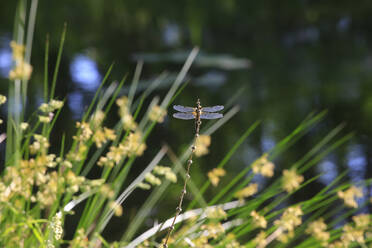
189, 162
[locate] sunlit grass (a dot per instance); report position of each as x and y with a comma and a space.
39, 189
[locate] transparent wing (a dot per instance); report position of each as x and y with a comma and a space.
183, 108
211, 116
213, 109
184, 116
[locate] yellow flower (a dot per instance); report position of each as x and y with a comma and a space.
17, 50
202, 143
86, 131
124, 112
51, 106
41, 144
133, 145
144, 186
216, 213
24, 125
97, 118
128, 122
47, 194
44, 119
352, 234
349, 196
258, 220
260, 239
290, 219
361, 221
157, 113
213, 229
74, 182
122, 102
153, 180
263, 166
336, 244
166, 172
2, 99
22, 70
285, 237
101, 136
80, 240
118, 209
318, 230
56, 226
250, 190
291, 180
106, 191
215, 174
55, 104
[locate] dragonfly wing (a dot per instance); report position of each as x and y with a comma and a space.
184, 116
211, 116
213, 109
183, 108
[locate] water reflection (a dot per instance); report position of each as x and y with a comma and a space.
218, 61
357, 163
343, 24
267, 139
86, 79
328, 170
171, 34
76, 103
5, 56
84, 73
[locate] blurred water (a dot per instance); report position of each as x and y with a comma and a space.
356, 162
5, 56
84, 73
328, 170
75, 102
171, 34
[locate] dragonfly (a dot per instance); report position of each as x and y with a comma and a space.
189, 113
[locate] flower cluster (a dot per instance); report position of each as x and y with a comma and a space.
202, 143
47, 110
258, 220
287, 223
250, 190
318, 230
215, 174
124, 113
157, 113
356, 232
22, 70
216, 213
151, 178
101, 136
56, 226
2, 101
263, 166
291, 180
349, 196
40, 144
118, 209
290, 219
260, 239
